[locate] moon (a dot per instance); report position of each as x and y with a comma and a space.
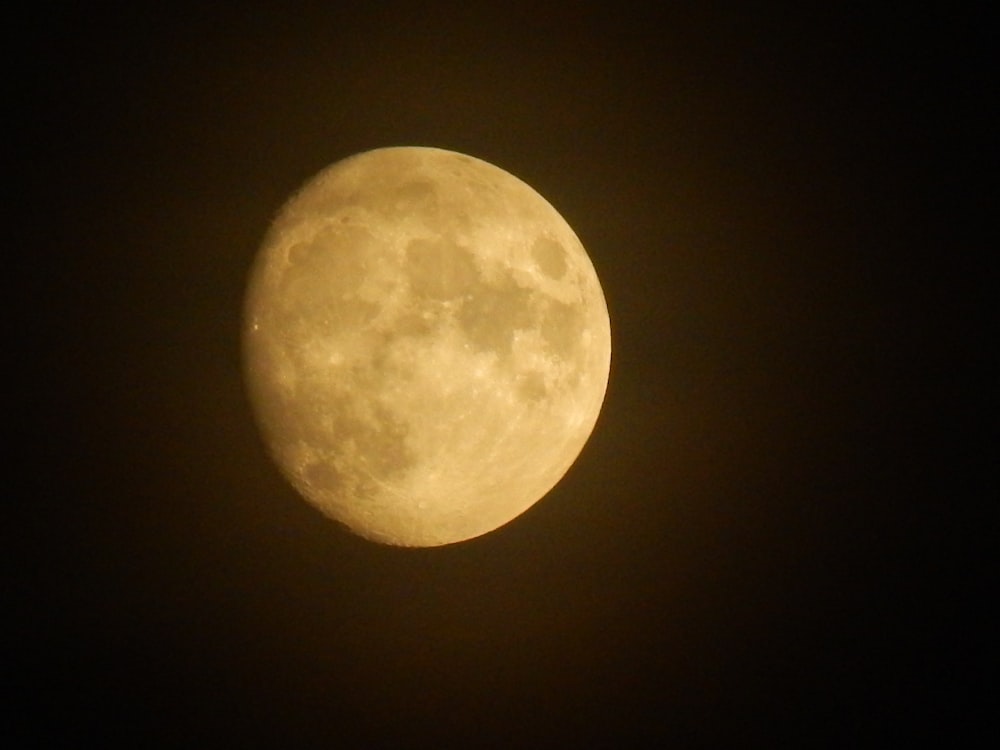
426, 345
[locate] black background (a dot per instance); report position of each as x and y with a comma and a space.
772, 533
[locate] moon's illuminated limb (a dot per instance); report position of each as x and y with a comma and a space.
426, 345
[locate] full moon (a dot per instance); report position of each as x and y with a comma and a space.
426, 345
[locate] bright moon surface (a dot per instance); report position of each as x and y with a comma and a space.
426, 345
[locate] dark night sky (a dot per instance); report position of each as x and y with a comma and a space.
769, 536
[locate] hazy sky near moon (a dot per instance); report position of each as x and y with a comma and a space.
758, 541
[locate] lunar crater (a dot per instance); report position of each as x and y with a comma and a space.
550, 256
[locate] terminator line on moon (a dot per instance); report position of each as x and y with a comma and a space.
426, 345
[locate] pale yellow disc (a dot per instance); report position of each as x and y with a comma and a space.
426, 345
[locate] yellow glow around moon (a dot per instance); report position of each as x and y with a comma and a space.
426, 345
